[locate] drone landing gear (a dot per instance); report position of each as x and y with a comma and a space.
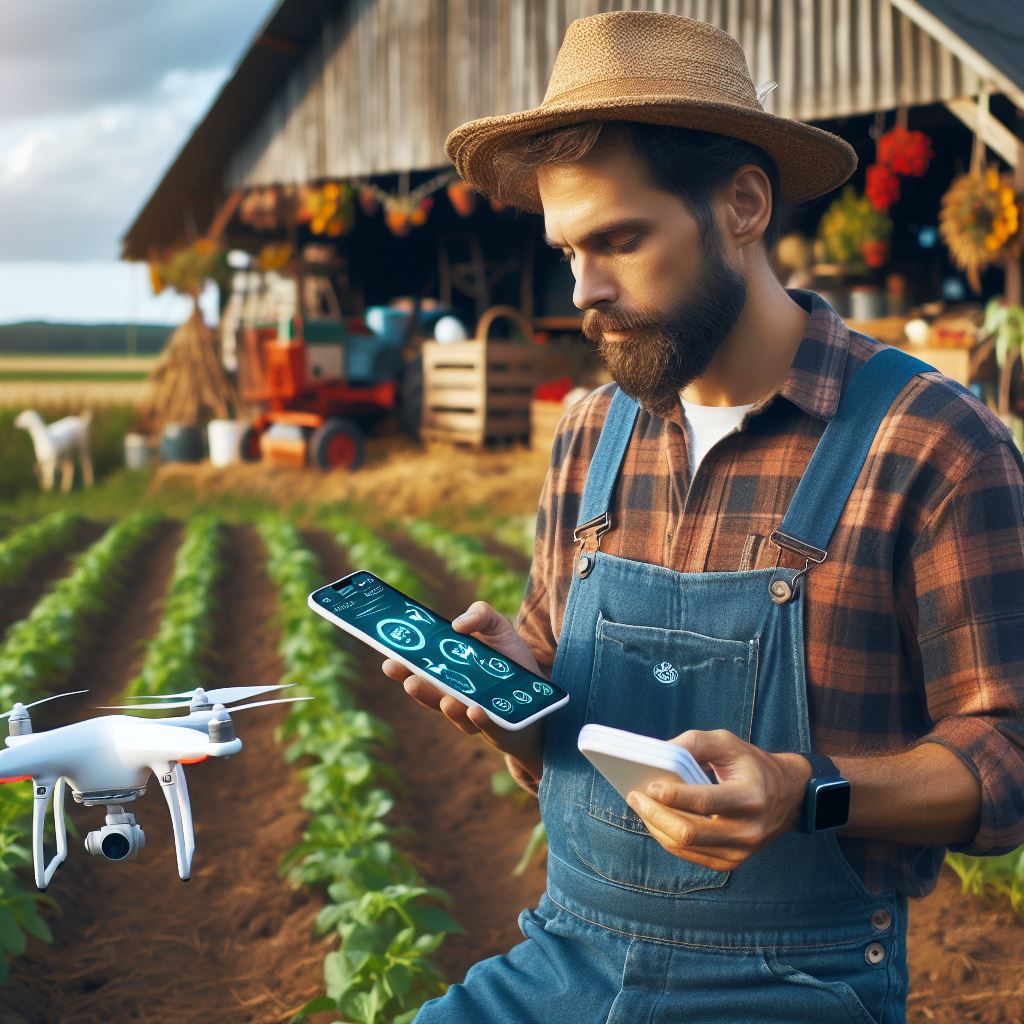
172, 782
42, 792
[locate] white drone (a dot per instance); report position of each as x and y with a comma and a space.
108, 760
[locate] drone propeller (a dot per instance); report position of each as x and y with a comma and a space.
264, 703
221, 695
164, 707
56, 696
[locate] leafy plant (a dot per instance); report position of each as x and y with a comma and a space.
49, 536
388, 920
37, 656
466, 558
992, 876
174, 657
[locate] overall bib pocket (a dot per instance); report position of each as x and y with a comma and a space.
658, 682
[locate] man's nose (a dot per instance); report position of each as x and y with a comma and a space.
593, 285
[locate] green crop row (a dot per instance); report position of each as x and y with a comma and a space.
466, 558
38, 655
388, 920
367, 551
175, 655
51, 535
39, 651
517, 532
1002, 876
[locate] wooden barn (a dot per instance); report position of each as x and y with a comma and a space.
367, 90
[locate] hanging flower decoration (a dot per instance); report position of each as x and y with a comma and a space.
980, 222
329, 210
275, 257
368, 201
270, 208
187, 270
405, 209
462, 198
905, 152
854, 232
882, 187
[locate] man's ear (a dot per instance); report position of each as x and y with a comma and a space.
749, 205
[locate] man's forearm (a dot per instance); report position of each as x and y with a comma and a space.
926, 796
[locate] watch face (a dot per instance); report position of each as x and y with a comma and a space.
831, 805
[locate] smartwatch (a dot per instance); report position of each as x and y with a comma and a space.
827, 799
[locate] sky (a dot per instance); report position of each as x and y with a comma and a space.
97, 97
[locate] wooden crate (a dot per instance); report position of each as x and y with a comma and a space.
478, 392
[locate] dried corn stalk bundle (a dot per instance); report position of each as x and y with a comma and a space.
188, 385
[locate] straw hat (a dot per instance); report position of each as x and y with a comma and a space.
662, 69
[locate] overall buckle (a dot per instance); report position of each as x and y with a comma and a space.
782, 591
596, 527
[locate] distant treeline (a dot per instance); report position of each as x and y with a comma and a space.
33, 338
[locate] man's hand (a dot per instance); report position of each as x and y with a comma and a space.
759, 796
481, 620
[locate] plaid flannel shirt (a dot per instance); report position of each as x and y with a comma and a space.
914, 624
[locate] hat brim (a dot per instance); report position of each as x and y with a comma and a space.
811, 162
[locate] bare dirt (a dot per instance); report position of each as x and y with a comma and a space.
133, 943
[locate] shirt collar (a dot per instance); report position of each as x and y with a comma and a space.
814, 381
815, 378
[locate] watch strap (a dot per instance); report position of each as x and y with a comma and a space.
822, 766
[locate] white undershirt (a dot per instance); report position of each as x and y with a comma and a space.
706, 425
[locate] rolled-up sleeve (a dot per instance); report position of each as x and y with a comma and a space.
965, 579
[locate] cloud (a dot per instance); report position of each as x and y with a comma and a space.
64, 56
96, 100
70, 184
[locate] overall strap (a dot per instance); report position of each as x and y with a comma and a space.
603, 472
836, 463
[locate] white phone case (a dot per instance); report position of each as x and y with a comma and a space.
420, 670
632, 762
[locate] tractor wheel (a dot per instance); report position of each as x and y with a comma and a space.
249, 445
337, 444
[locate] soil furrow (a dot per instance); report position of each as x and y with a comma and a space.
465, 839
236, 943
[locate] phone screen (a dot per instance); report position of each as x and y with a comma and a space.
427, 639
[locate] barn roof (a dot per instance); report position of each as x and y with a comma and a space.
347, 88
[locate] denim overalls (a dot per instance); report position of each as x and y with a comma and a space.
627, 933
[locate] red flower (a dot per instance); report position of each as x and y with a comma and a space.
905, 152
882, 187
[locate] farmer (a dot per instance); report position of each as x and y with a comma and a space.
860, 637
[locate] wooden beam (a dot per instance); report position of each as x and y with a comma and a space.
947, 37
223, 215
279, 44
995, 134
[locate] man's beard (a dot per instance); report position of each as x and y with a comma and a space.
665, 353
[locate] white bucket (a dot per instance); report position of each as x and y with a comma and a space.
138, 451
225, 437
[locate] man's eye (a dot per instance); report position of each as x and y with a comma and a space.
625, 246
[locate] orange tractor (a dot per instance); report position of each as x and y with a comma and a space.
321, 381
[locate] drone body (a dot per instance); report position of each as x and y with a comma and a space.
109, 760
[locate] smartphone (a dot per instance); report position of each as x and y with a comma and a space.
426, 643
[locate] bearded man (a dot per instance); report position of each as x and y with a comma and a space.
792, 550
